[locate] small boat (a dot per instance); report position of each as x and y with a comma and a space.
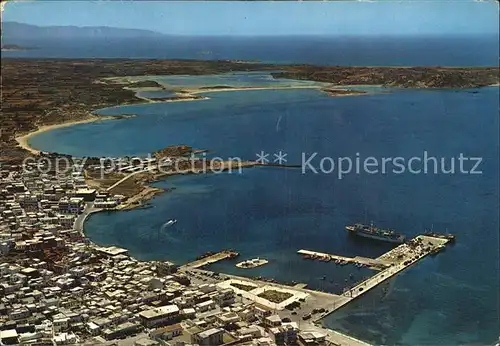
170, 222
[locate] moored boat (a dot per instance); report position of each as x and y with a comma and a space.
376, 233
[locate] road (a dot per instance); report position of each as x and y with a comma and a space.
129, 176
316, 300
80, 220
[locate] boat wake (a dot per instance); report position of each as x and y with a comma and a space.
168, 223
166, 235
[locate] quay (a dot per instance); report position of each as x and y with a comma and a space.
313, 305
300, 285
272, 164
401, 257
219, 256
377, 263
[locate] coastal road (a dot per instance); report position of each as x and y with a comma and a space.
129, 176
315, 300
334, 337
80, 220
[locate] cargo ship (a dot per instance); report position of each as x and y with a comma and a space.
376, 233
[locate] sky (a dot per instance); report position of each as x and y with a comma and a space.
425, 17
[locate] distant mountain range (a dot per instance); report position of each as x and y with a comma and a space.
13, 31
11, 47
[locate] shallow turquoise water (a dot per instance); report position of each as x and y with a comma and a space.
268, 212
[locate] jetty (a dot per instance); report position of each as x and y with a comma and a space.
400, 258
309, 307
372, 263
219, 256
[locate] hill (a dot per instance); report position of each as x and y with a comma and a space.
14, 31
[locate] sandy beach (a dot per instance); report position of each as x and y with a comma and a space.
190, 94
24, 139
211, 90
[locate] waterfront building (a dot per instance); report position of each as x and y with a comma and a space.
272, 321
286, 334
312, 338
86, 193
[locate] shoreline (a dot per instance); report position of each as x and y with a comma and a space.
213, 90
190, 95
186, 95
316, 325
23, 139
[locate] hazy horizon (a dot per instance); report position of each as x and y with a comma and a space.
427, 18
325, 35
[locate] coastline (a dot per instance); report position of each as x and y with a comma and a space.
189, 95
212, 90
90, 120
316, 325
23, 139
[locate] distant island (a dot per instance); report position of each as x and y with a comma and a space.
15, 31
14, 47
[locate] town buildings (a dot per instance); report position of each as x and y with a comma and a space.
57, 288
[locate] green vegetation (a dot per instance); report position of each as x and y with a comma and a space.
275, 296
146, 84
243, 287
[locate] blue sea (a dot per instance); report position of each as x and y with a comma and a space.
479, 50
449, 299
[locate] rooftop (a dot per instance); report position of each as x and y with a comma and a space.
210, 332
159, 312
